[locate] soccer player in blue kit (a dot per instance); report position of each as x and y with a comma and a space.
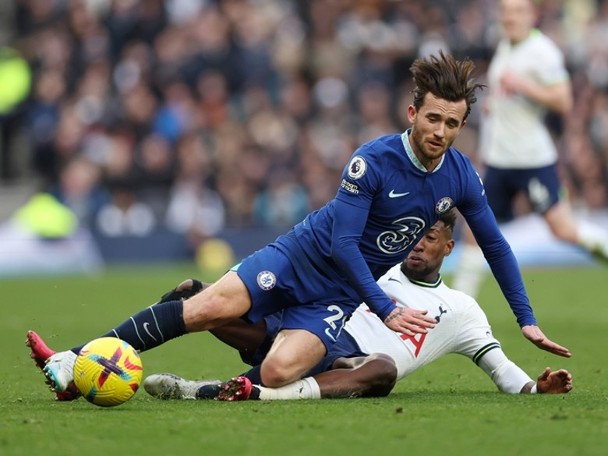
392, 191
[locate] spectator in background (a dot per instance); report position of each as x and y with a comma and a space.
282, 203
15, 80
42, 121
194, 208
79, 189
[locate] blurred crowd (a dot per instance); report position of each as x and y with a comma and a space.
199, 114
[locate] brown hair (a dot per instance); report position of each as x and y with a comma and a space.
446, 78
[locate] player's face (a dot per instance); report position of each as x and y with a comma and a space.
435, 127
517, 18
425, 259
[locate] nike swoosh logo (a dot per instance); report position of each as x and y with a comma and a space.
146, 324
392, 194
328, 334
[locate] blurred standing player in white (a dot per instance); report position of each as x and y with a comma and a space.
527, 77
393, 190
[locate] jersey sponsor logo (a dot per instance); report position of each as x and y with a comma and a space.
357, 167
417, 340
266, 280
405, 234
392, 194
350, 187
444, 205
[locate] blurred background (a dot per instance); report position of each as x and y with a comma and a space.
179, 130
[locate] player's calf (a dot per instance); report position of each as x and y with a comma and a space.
370, 376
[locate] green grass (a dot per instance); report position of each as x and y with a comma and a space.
450, 407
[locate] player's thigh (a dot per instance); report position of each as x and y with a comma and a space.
543, 188
223, 301
271, 280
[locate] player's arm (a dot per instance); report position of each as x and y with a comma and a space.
349, 224
503, 263
506, 270
510, 378
555, 97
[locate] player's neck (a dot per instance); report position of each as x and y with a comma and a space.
430, 279
514, 41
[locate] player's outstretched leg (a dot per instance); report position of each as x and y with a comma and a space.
237, 389
42, 354
170, 386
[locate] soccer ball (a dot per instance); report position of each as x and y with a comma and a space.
108, 371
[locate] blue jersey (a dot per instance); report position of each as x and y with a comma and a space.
386, 202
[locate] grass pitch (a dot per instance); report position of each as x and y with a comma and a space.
450, 407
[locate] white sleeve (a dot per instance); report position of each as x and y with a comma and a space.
505, 373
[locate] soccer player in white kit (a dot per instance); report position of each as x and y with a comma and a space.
527, 77
369, 357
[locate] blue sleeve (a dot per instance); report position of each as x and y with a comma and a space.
349, 223
503, 264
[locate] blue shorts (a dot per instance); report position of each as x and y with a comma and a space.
541, 186
282, 278
344, 347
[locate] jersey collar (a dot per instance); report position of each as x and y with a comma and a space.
410, 153
435, 284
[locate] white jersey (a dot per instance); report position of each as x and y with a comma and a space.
517, 136
462, 326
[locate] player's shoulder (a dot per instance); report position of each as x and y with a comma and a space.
381, 145
393, 275
382, 154
458, 295
540, 46
459, 161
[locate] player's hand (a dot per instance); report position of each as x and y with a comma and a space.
184, 290
513, 84
409, 321
536, 336
557, 382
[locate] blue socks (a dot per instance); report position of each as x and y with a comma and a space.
253, 374
151, 327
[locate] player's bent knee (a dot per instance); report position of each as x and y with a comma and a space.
276, 374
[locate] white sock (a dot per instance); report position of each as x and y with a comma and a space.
306, 388
470, 270
593, 239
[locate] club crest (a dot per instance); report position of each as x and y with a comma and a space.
444, 205
266, 280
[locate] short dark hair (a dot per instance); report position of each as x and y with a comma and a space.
449, 219
446, 78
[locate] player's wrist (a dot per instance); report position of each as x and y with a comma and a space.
534, 388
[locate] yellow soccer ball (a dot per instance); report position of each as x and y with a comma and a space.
108, 371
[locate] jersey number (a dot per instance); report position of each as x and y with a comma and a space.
338, 316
